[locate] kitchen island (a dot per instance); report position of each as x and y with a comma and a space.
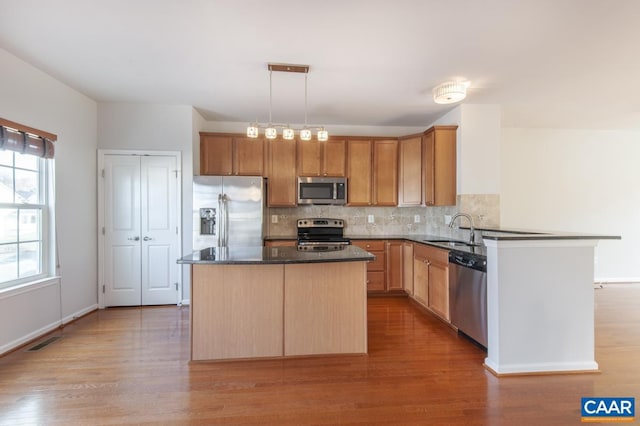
257, 302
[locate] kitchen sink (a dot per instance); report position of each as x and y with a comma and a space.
454, 243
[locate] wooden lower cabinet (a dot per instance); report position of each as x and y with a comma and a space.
375, 268
386, 273
394, 267
407, 267
431, 279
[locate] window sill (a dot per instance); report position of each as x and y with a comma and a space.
28, 286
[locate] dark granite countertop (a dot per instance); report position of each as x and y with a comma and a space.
498, 234
274, 255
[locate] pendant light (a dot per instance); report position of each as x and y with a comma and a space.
288, 132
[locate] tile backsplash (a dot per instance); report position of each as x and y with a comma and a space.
485, 209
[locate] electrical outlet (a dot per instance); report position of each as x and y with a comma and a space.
274, 218
371, 219
416, 218
447, 219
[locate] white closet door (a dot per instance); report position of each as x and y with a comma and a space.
122, 256
141, 230
159, 230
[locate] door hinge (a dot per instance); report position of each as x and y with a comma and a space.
176, 284
176, 172
176, 230
103, 230
103, 289
102, 172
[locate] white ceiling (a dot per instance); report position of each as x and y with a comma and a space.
549, 63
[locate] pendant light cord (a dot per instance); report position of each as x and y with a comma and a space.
270, 94
305, 100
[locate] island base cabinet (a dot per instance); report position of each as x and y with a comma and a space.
231, 316
325, 306
277, 310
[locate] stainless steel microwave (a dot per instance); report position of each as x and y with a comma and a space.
322, 190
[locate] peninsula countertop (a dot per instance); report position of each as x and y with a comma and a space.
274, 255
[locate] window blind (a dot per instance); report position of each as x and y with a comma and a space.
26, 140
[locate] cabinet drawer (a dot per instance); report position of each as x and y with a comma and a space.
369, 245
432, 253
375, 281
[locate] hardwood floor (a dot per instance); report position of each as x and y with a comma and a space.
130, 366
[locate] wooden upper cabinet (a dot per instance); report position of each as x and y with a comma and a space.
372, 169
410, 171
334, 158
439, 162
249, 156
309, 158
322, 158
223, 155
216, 155
385, 172
281, 159
359, 171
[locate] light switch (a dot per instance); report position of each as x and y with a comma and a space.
416, 218
274, 218
371, 219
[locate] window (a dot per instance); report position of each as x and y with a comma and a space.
24, 214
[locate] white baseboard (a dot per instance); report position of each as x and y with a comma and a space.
80, 313
185, 302
605, 280
8, 347
29, 337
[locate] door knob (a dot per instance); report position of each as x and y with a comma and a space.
133, 238
147, 238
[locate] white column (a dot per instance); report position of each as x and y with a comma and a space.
540, 303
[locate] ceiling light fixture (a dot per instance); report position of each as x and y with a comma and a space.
288, 132
450, 92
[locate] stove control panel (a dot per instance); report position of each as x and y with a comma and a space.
320, 223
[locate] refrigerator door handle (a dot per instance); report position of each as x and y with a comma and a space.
220, 221
225, 203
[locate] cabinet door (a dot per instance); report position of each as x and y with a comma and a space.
249, 156
309, 158
439, 289
359, 154
410, 172
385, 173
420, 280
394, 267
439, 164
216, 156
407, 267
334, 158
281, 187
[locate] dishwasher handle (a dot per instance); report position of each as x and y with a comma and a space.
468, 261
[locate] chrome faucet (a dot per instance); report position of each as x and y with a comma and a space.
472, 235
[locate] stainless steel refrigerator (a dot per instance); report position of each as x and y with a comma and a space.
228, 211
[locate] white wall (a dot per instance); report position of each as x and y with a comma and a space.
580, 181
480, 135
153, 127
34, 99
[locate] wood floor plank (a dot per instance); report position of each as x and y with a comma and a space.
131, 366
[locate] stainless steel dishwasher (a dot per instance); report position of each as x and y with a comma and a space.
468, 295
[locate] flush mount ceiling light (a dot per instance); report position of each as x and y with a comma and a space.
288, 132
450, 92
